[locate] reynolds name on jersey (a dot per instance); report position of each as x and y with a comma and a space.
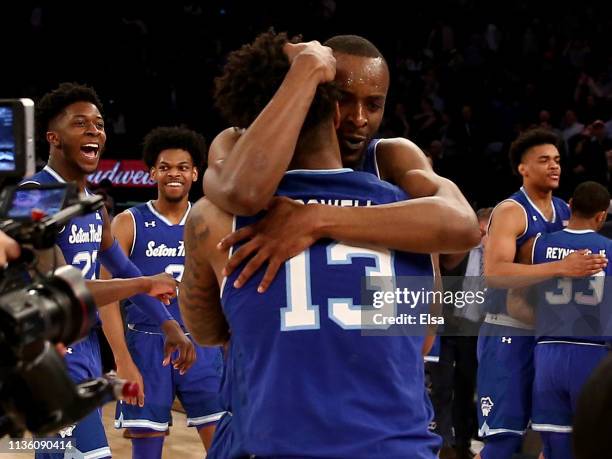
559, 253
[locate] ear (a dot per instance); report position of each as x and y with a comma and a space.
571, 205
337, 116
522, 169
53, 138
600, 218
195, 174
153, 173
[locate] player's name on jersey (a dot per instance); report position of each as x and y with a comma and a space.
337, 202
559, 253
162, 250
78, 236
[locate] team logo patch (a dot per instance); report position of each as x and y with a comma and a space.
486, 404
67, 432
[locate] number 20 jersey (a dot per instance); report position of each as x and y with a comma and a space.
305, 379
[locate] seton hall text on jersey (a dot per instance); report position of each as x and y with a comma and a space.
162, 250
559, 253
337, 202
78, 236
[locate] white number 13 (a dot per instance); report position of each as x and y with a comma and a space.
301, 314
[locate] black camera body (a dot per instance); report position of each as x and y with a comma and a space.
40, 309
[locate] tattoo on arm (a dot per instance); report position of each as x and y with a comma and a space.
199, 291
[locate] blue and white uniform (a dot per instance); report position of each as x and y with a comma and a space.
79, 242
306, 378
505, 345
157, 247
570, 329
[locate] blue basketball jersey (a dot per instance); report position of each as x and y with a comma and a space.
80, 239
370, 163
305, 380
158, 246
535, 223
572, 309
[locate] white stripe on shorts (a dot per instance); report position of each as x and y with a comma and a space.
98, 453
191, 422
551, 428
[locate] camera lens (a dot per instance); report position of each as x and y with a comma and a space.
59, 309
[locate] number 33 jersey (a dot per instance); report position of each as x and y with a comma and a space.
305, 379
577, 309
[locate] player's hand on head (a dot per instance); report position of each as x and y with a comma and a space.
582, 263
313, 56
287, 229
129, 371
9, 249
178, 348
163, 286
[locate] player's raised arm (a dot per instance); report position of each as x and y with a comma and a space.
199, 292
245, 170
402, 162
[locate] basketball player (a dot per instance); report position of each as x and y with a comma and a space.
442, 222
570, 320
152, 235
505, 345
71, 122
305, 381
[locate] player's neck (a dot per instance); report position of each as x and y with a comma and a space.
60, 166
173, 211
319, 150
579, 223
538, 196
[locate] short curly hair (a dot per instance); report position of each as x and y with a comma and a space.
164, 138
251, 76
527, 140
589, 199
54, 102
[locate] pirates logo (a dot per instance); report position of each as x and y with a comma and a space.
486, 404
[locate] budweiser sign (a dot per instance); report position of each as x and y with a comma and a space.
126, 173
